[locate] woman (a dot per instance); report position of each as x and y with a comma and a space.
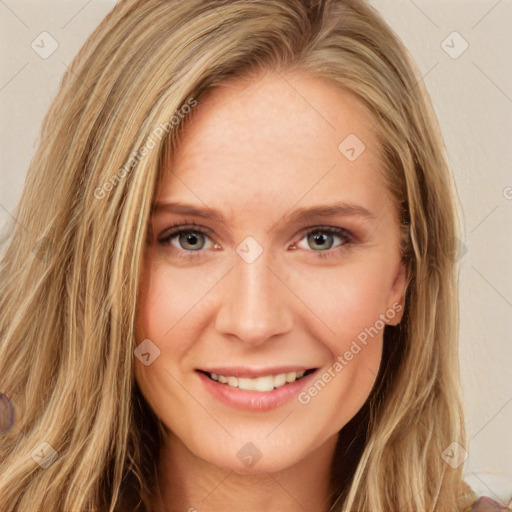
175, 335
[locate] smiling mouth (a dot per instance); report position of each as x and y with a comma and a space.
263, 384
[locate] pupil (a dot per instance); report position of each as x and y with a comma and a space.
192, 240
320, 239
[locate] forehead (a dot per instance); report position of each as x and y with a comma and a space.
273, 141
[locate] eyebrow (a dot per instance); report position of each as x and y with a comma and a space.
295, 216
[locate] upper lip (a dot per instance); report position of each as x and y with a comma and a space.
248, 372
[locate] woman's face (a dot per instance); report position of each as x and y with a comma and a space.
285, 262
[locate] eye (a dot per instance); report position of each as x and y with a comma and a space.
188, 239
322, 239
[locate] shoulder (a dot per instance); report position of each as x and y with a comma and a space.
486, 504
469, 501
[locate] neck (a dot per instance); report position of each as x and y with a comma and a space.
192, 484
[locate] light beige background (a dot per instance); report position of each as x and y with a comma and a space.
472, 96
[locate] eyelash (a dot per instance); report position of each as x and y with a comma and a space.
191, 227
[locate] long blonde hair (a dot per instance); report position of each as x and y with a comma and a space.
71, 265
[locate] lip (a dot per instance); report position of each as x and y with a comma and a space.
255, 400
253, 373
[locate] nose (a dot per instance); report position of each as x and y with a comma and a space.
255, 302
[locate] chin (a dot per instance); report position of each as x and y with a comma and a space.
261, 466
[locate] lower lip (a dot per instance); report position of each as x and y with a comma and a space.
255, 400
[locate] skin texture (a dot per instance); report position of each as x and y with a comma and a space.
256, 151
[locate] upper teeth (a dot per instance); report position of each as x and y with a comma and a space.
266, 383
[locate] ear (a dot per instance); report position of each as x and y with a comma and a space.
396, 300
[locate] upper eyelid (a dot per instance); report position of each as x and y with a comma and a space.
186, 226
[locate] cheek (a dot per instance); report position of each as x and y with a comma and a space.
350, 300
169, 300
351, 303
167, 315
341, 389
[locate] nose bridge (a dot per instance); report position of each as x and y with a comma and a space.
254, 304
